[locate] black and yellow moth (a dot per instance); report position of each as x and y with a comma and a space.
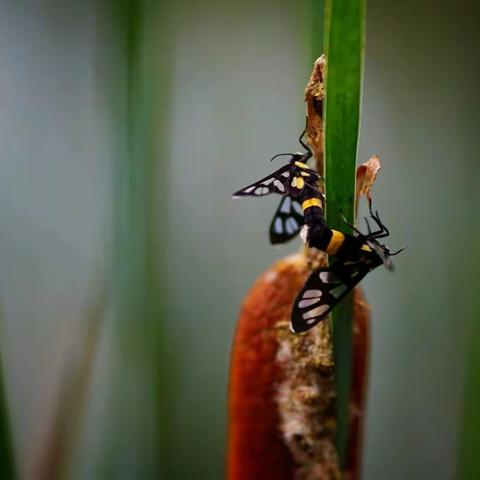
296, 182
355, 256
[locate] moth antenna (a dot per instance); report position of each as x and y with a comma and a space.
282, 155
398, 251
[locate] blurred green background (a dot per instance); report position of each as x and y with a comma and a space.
124, 128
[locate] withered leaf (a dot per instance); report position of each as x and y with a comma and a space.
366, 175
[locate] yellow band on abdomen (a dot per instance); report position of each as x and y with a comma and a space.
311, 202
335, 242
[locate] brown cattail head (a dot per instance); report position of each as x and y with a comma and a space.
256, 448
281, 399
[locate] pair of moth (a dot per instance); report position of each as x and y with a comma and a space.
300, 211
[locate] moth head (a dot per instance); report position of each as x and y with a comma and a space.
383, 252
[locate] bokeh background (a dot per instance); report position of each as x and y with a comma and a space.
124, 128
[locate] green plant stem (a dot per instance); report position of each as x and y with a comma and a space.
344, 47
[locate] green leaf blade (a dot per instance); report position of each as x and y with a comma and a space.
344, 41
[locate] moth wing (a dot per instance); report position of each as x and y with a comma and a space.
287, 221
273, 183
323, 291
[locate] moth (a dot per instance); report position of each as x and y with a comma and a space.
355, 256
290, 179
288, 219
296, 182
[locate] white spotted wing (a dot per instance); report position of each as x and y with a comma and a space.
323, 291
273, 183
287, 221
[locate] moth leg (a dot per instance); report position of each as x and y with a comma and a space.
384, 231
370, 233
368, 226
355, 229
315, 189
303, 144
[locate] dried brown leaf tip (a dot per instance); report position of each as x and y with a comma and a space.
314, 96
366, 176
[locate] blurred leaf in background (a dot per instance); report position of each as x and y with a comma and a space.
468, 465
138, 411
7, 458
